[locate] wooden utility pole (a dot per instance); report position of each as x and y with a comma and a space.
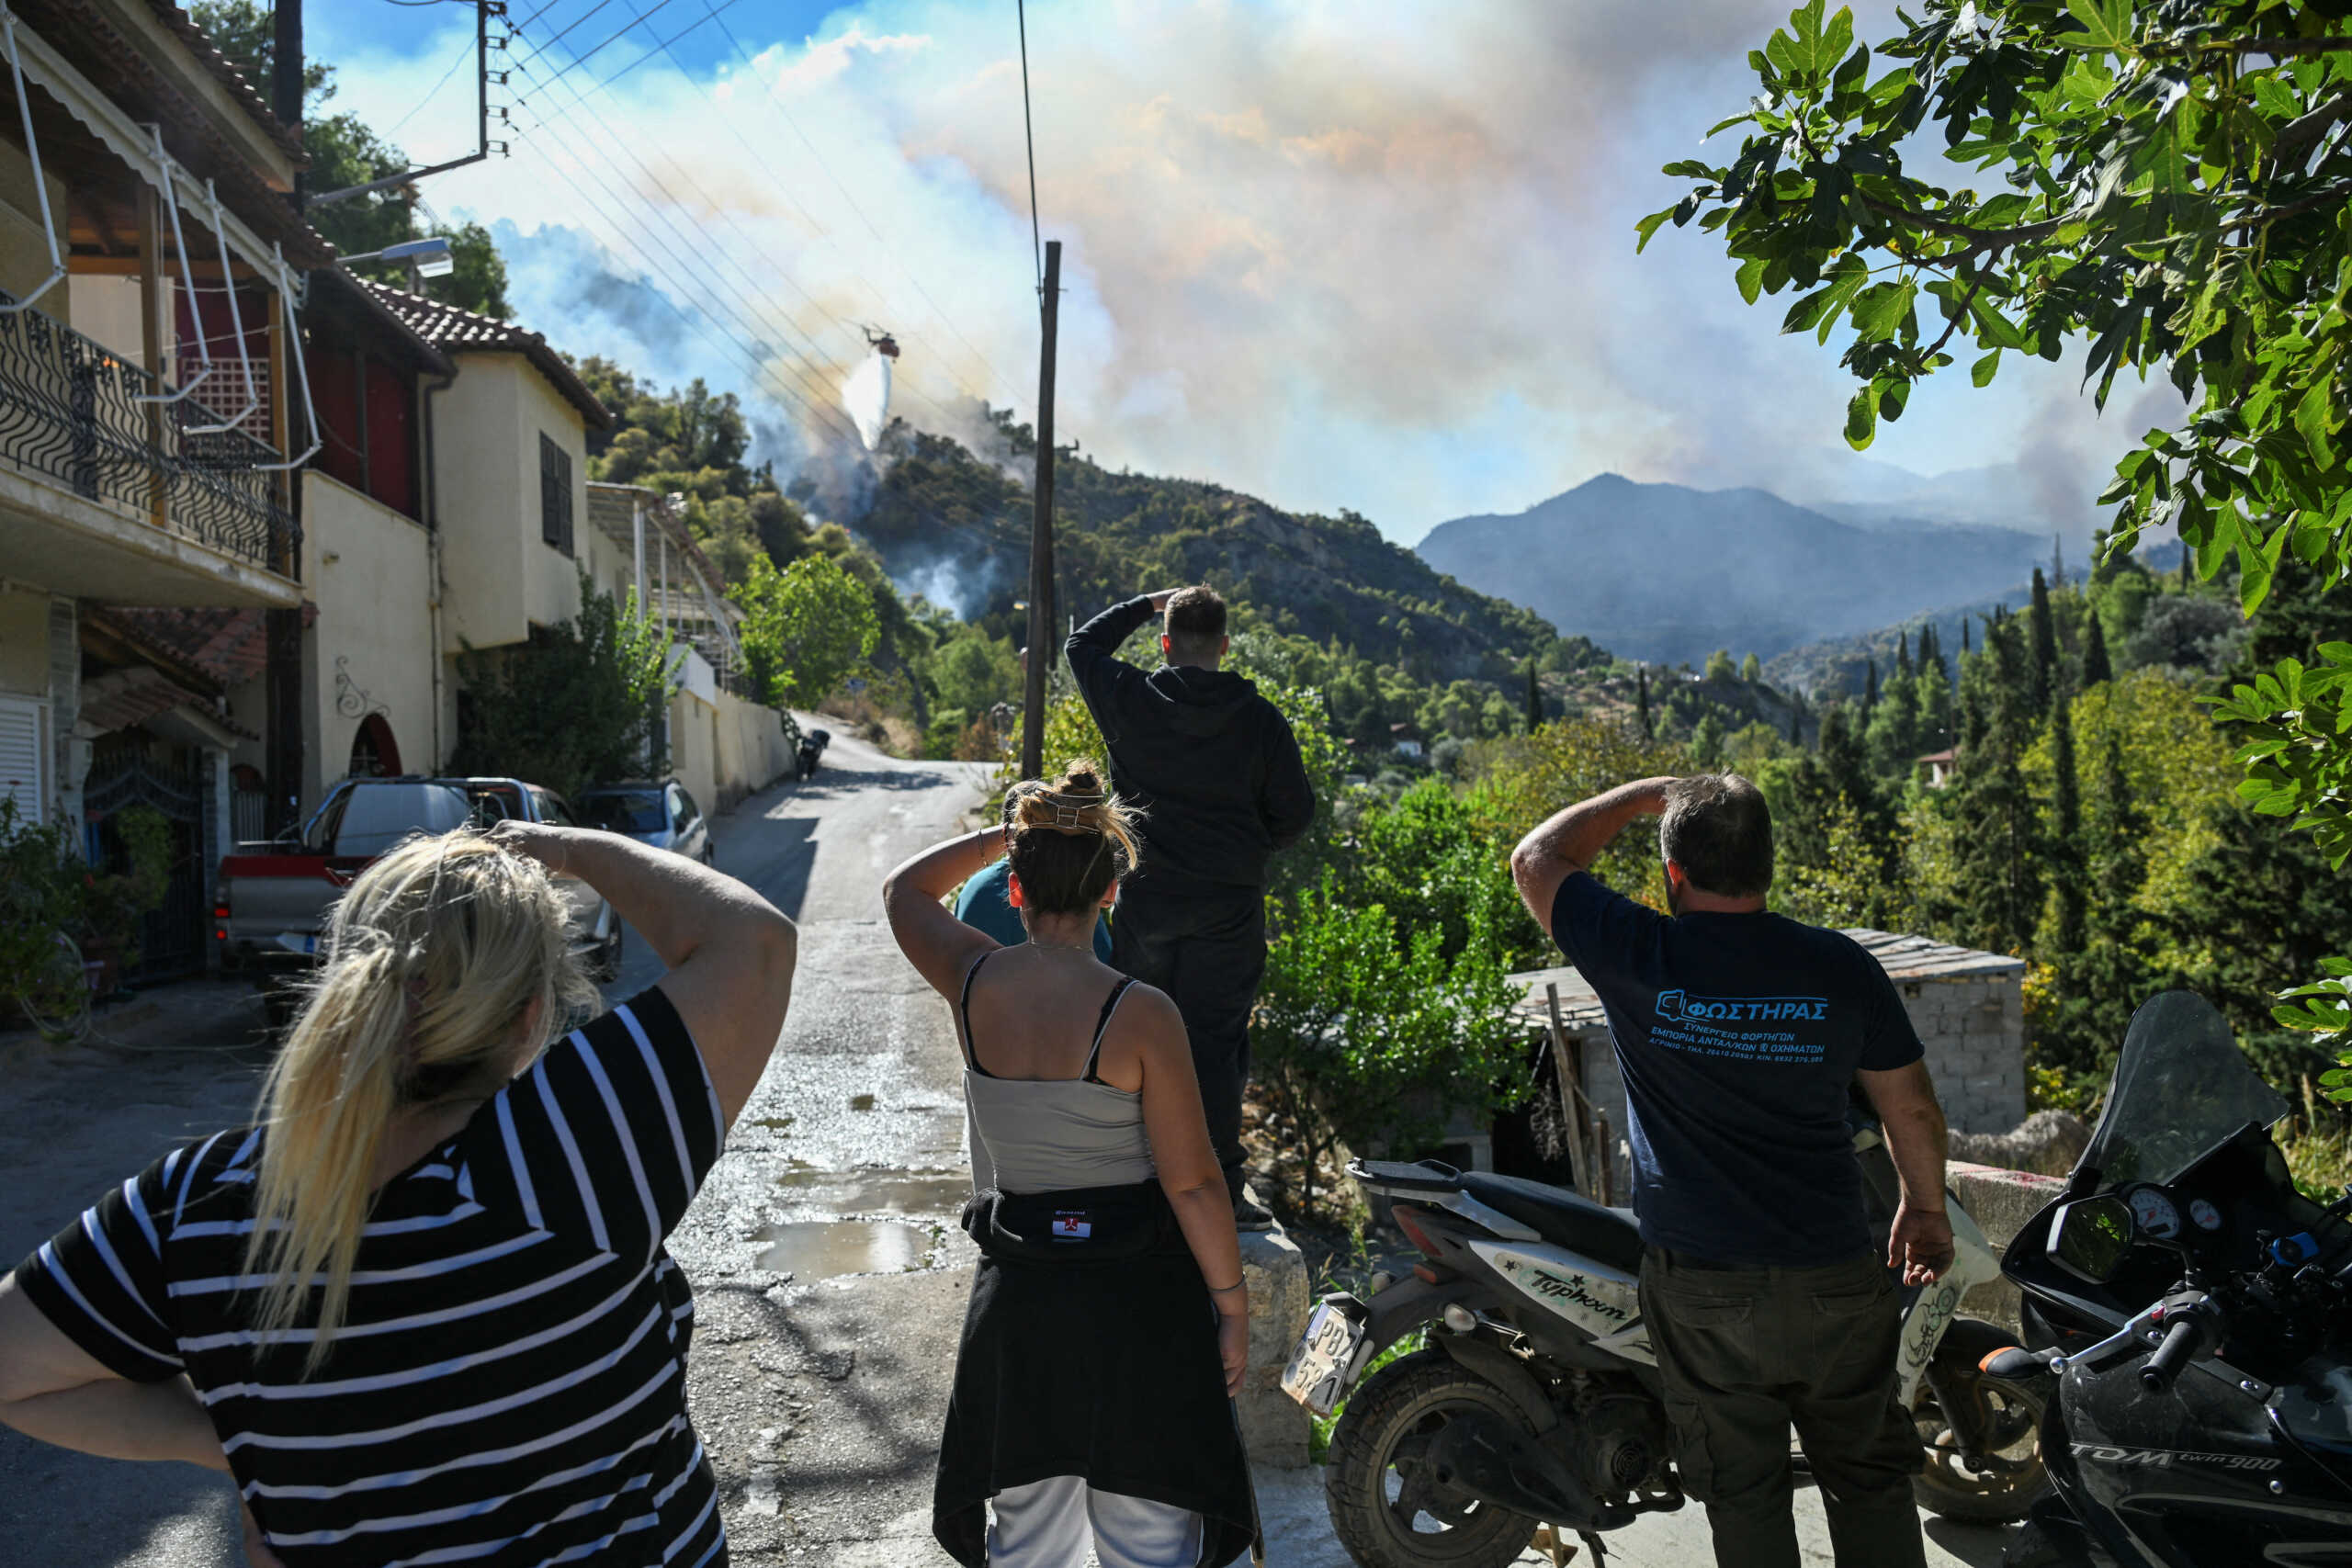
1041, 534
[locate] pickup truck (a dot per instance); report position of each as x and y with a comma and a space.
270, 900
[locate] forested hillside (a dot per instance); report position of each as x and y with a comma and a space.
945, 515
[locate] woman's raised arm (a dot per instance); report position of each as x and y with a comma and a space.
729, 951
940, 946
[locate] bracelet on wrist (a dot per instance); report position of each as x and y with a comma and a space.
1226, 1290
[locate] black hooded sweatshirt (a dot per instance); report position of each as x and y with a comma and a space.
1212, 765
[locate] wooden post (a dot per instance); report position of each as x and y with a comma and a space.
154, 298
1571, 1093
1608, 1156
1041, 534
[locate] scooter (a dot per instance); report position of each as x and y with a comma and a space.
1535, 1397
2187, 1311
812, 747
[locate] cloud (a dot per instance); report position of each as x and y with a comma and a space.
1363, 254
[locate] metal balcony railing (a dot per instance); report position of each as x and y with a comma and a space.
70, 411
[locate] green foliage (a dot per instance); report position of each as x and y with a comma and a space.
1522, 780
116, 904
1720, 666
1751, 669
581, 704
344, 152
1367, 1030
45, 888
805, 628
2166, 182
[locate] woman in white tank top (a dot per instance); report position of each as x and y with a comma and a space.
1108, 1326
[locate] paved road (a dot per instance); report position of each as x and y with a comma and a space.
823, 1250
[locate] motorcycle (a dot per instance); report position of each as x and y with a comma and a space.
2186, 1317
1534, 1398
812, 747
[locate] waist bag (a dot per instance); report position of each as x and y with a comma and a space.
1087, 1225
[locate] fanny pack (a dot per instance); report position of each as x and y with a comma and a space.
1089, 1224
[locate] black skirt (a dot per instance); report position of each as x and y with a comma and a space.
1090, 1349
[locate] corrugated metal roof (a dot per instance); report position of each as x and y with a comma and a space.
453, 330
1904, 958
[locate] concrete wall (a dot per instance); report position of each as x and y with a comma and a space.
725, 749
499, 576
370, 569
24, 642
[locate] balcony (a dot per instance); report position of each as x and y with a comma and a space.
105, 496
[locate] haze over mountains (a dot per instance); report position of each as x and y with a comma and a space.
1667, 574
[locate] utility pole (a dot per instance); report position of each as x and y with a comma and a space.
1041, 534
282, 630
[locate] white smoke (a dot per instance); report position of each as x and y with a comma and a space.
1363, 254
865, 397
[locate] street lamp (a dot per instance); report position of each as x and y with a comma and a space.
426, 258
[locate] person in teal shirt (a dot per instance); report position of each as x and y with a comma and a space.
986, 904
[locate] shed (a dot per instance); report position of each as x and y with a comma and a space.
1968, 1007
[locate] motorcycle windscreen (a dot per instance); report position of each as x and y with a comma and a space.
2181, 1086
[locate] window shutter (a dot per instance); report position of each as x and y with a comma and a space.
555, 494
22, 778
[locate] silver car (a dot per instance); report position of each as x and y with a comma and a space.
663, 815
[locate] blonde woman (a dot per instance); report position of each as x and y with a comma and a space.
422, 1311
1108, 1326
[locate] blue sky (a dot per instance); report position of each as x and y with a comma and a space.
1373, 254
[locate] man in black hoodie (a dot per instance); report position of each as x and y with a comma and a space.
1216, 772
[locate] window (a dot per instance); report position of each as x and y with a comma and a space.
24, 746
555, 493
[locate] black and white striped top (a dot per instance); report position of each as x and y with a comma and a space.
509, 1385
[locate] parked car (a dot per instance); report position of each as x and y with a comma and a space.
270, 900
664, 815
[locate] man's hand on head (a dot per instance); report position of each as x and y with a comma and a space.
1159, 600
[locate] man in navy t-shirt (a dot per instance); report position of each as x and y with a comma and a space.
1739, 1033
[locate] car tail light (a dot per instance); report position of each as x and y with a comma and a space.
1408, 1220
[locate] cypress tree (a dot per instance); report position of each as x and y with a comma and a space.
1796, 718
1963, 636
2095, 666
1903, 651
2042, 628
1641, 698
1930, 652
2065, 850
1534, 700
1870, 686
1997, 847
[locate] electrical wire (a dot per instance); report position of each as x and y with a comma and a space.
587, 132
1029, 135
718, 313
681, 267
580, 59
948, 322
663, 47
463, 55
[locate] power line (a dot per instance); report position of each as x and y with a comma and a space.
713, 305
1029, 135
578, 59
663, 47
716, 287
464, 54
945, 318
579, 98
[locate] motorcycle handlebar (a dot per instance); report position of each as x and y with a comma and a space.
2180, 1344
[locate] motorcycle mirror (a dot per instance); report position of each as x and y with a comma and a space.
2090, 1237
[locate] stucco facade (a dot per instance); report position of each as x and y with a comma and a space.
369, 653
501, 577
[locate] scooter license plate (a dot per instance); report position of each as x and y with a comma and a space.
1317, 1374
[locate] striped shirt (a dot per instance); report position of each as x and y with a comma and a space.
509, 1385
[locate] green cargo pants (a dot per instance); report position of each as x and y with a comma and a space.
1744, 1353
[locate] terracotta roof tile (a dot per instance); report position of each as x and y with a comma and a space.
227, 73
453, 330
227, 645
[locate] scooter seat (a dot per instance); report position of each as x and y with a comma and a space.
1606, 1235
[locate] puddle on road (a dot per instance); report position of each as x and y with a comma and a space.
882, 1191
819, 1250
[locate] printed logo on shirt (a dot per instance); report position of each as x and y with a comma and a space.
1773, 1029
1740, 1009
1072, 1224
